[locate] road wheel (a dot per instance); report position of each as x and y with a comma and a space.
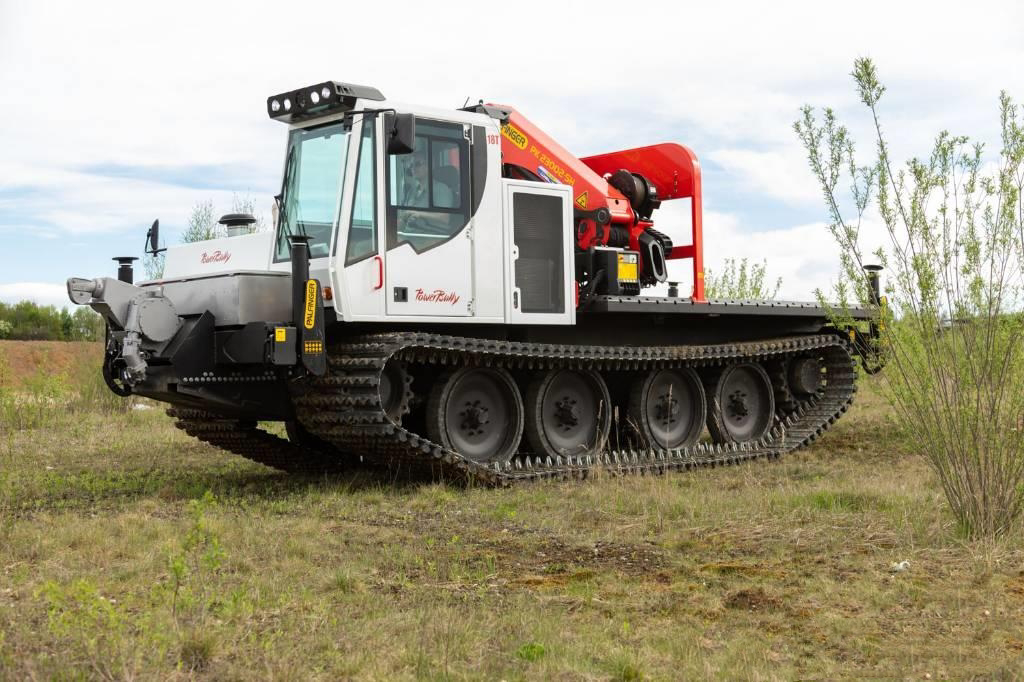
805, 376
569, 413
395, 390
668, 408
741, 404
477, 412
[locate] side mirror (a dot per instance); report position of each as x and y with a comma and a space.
401, 132
153, 239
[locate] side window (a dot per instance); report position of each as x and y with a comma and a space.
362, 231
445, 173
428, 190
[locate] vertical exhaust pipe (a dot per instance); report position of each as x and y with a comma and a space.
872, 354
874, 290
299, 244
307, 309
124, 268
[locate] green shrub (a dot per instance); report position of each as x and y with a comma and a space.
531, 651
741, 282
953, 329
94, 631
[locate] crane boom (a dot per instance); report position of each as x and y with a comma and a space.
614, 194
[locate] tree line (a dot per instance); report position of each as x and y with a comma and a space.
28, 321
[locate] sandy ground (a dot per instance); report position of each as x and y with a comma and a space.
22, 359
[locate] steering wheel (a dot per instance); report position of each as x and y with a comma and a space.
417, 222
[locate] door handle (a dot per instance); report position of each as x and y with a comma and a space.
380, 272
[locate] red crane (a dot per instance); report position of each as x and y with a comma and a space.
616, 193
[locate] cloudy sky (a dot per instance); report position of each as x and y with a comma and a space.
116, 113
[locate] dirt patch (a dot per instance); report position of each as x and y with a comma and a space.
1015, 585
553, 557
753, 599
22, 360
739, 568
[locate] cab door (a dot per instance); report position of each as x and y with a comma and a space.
429, 258
358, 265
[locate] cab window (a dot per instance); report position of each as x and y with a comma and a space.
314, 174
362, 232
428, 190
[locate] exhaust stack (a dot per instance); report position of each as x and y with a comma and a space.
299, 244
124, 269
307, 308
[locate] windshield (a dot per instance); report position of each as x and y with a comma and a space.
313, 176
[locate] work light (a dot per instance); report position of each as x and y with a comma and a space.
317, 100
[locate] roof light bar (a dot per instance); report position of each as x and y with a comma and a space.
318, 100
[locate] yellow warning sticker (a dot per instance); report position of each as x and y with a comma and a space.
628, 270
581, 201
310, 312
280, 334
514, 135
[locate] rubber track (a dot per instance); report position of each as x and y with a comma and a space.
344, 408
253, 443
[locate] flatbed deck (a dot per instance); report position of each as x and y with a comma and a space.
687, 306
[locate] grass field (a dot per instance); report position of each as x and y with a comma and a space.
129, 550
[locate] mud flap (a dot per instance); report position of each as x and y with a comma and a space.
192, 351
312, 353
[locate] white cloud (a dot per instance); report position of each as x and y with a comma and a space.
184, 84
779, 174
176, 83
75, 202
805, 256
43, 293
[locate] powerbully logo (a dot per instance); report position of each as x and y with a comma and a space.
437, 296
217, 256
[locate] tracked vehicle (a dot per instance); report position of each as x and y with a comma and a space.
454, 292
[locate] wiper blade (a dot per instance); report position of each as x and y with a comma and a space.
282, 198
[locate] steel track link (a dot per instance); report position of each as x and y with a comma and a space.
255, 444
344, 408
